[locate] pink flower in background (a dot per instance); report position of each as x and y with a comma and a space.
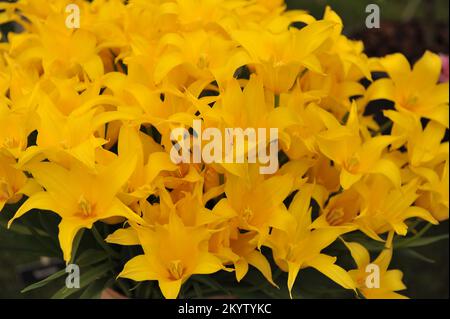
444, 75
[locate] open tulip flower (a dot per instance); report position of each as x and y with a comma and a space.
93, 91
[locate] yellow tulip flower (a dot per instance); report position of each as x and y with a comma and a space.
14, 183
172, 253
434, 192
415, 90
386, 282
279, 58
344, 145
258, 202
386, 208
424, 145
80, 197
300, 247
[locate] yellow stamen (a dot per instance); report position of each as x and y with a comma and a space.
6, 190
335, 216
85, 208
248, 214
176, 269
10, 142
290, 253
203, 62
352, 164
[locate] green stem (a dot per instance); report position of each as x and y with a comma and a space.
411, 239
103, 244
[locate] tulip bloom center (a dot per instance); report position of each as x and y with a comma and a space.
85, 208
6, 191
176, 269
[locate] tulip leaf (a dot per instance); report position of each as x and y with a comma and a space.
76, 244
414, 254
29, 244
94, 290
45, 281
90, 257
419, 242
210, 282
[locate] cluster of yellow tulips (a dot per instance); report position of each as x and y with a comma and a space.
101, 101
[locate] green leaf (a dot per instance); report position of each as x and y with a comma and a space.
419, 242
16, 228
76, 244
11, 241
90, 257
368, 243
100, 240
45, 281
198, 291
211, 283
94, 290
414, 254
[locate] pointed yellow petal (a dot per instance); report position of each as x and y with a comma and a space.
54, 179
157, 163
31, 187
93, 67
241, 268
380, 89
440, 113
325, 264
2, 204
388, 169
277, 188
124, 236
427, 70
281, 219
85, 152
166, 64
41, 200
348, 179
322, 238
392, 280
129, 143
117, 208
415, 211
397, 66
114, 176
293, 268
257, 260
207, 264
384, 259
311, 37
359, 253
67, 232
138, 269
170, 289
